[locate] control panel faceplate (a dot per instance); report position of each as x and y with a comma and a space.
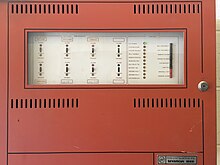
105, 58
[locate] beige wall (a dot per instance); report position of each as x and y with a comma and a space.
218, 79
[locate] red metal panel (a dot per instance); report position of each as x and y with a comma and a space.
3, 82
109, 127
111, 110
82, 159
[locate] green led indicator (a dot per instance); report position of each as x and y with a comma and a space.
145, 43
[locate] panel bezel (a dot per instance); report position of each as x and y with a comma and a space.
104, 86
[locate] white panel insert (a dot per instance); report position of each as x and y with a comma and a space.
105, 58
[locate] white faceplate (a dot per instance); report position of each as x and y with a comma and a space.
105, 58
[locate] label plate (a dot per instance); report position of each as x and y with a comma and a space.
189, 160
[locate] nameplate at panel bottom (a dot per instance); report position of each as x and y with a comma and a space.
189, 160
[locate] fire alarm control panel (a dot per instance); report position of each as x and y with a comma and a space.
107, 82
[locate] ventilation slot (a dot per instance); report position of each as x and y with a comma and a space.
44, 8
167, 8
44, 103
166, 103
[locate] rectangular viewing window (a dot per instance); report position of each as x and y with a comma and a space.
108, 58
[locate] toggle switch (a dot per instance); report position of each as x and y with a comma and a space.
119, 51
67, 70
67, 50
40, 69
40, 49
118, 69
93, 69
93, 51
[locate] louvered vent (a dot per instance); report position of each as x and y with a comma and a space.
44, 103
167, 8
44, 8
149, 103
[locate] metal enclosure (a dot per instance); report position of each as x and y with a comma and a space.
105, 124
